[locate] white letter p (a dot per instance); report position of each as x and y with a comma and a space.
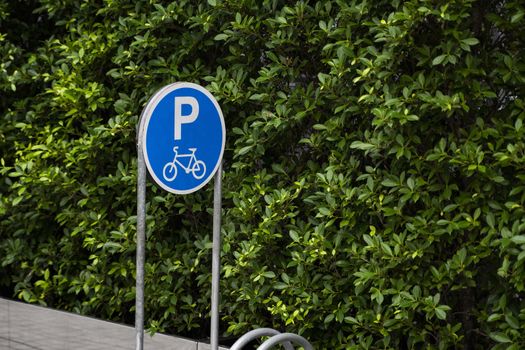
184, 119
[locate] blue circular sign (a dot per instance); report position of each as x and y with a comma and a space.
183, 135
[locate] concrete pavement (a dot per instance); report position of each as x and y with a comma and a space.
29, 327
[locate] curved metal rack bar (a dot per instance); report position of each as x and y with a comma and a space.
285, 337
257, 333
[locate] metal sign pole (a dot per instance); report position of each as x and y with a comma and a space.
216, 256
163, 124
141, 240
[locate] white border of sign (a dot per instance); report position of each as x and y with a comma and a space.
144, 122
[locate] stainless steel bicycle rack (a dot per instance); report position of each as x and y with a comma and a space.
277, 337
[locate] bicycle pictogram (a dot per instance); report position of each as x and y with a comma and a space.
194, 166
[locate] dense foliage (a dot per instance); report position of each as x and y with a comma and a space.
374, 183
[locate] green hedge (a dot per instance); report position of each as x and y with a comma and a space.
374, 184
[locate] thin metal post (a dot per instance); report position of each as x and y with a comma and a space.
141, 241
216, 256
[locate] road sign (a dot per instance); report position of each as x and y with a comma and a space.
183, 135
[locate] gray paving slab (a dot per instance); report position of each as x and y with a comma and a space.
4, 343
29, 327
205, 346
4, 316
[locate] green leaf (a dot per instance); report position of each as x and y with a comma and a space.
438, 60
329, 318
17, 200
494, 317
278, 168
362, 145
518, 124
269, 274
471, 41
386, 248
324, 211
389, 183
500, 337
280, 285
491, 221
512, 321
221, 36
245, 150
517, 17
440, 314
256, 97
519, 239
441, 311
